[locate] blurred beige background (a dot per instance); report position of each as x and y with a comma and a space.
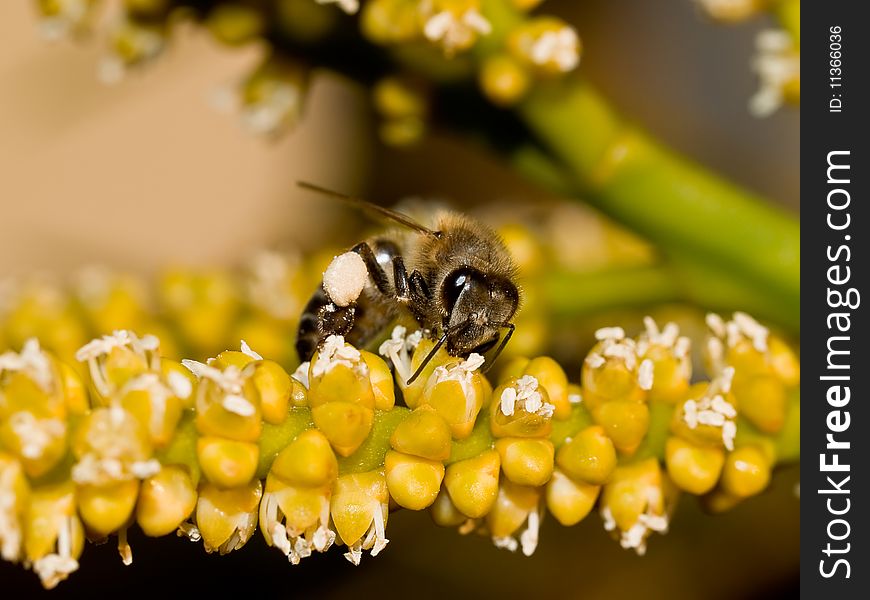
147, 172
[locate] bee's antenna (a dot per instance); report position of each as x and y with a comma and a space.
428, 358
510, 327
386, 212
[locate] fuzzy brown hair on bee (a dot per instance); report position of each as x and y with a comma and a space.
457, 280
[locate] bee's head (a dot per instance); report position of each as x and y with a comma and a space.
477, 307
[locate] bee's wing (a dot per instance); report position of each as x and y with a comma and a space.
386, 212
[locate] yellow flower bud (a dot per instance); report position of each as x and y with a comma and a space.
105, 509
746, 472
227, 405
382, 382
180, 380
633, 504
73, 389
53, 534
39, 443
227, 463
503, 79
153, 405
307, 461
165, 501
423, 434
520, 408
526, 461
626, 423
457, 393
15, 491
784, 362
473, 483
692, 467
274, 386
444, 512
345, 425
552, 378
762, 400
359, 511
589, 457
413, 482
570, 500
511, 509
227, 518
413, 393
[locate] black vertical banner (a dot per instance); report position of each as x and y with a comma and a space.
835, 428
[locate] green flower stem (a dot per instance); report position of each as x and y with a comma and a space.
681, 207
572, 294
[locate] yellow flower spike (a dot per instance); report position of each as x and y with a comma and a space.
15, 492
202, 306
762, 400
453, 25
444, 512
338, 373
296, 520
359, 511
514, 367
165, 501
307, 461
626, 423
226, 519
589, 456
633, 504
180, 380
526, 461
345, 425
31, 381
390, 21
693, 468
105, 509
552, 378
570, 501
669, 353
407, 351
227, 463
413, 482
111, 445
274, 386
516, 505
115, 359
74, 392
503, 79
473, 483
457, 393
227, 402
546, 44
423, 434
382, 382
154, 404
53, 534
39, 443
746, 472
520, 408
612, 370
708, 416
784, 362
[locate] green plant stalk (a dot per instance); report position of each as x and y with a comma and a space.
572, 294
680, 206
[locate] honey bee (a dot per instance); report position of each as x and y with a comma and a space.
457, 281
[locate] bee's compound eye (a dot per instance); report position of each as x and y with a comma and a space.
454, 284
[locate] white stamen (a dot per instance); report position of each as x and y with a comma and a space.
560, 48
301, 374
180, 385
32, 361
595, 360
645, 375
248, 352
334, 352
610, 333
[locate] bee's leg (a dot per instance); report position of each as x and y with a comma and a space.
320, 319
376, 271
